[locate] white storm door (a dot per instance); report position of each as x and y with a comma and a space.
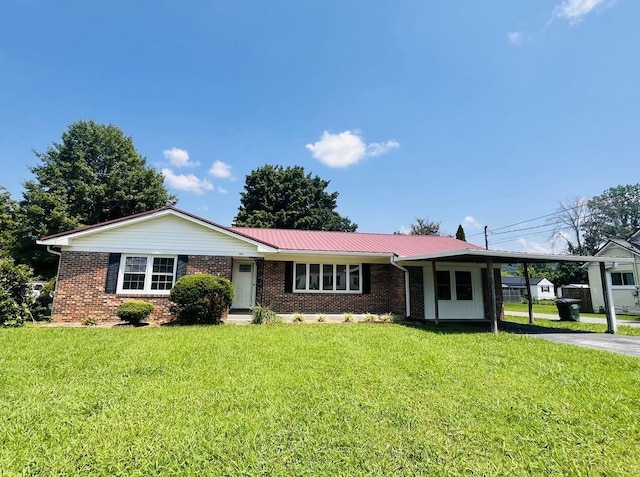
243, 282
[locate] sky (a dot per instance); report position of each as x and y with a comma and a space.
459, 111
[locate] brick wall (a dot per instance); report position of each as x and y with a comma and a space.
387, 294
81, 283
416, 290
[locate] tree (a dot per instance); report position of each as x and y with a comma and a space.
95, 174
613, 214
460, 235
569, 221
287, 198
8, 224
15, 293
424, 227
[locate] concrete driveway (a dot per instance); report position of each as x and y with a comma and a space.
629, 345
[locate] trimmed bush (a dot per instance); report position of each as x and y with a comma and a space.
15, 293
298, 318
134, 311
348, 318
263, 315
201, 298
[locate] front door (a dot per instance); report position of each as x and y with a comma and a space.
244, 284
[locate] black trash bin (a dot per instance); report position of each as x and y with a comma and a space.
568, 309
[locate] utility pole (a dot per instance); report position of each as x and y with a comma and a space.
486, 239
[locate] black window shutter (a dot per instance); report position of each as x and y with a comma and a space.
112, 273
288, 277
181, 269
366, 278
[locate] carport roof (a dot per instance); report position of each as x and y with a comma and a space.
498, 256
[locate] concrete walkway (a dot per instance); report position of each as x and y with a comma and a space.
583, 319
629, 345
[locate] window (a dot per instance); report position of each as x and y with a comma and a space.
443, 289
327, 277
622, 278
464, 290
544, 288
146, 274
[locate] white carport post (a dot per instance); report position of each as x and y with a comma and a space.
610, 309
491, 280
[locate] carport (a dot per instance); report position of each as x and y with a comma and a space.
491, 258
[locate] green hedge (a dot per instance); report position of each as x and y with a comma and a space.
134, 311
201, 298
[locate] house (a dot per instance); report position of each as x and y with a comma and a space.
142, 256
623, 274
515, 288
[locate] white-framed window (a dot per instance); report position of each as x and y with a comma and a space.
622, 279
463, 285
327, 278
146, 274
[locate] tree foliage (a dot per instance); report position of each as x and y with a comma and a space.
424, 226
460, 235
613, 214
94, 174
15, 293
8, 222
287, 198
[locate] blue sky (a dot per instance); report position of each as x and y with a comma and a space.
481, 113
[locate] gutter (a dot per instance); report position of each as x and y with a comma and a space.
407, 301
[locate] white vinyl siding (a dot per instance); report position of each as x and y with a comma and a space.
165, 235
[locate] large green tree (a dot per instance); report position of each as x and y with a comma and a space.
94, 174
613, 214
288, 198
8, 224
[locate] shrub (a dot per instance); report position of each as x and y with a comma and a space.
322, 318
263, 315
299, 318
201, 298
90, 321
134, 311
41, 306
387, 318
348, 318
15, 293
370, 318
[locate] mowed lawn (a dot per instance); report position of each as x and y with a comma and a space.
312, 399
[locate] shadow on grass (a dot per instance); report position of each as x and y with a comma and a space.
485, 327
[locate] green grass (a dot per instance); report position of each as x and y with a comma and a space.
575, 326
312, 399
553, 310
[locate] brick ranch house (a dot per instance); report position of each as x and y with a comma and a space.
141, 257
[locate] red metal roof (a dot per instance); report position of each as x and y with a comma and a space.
322, 241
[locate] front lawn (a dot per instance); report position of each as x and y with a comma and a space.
312, 399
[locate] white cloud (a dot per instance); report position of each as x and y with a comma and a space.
222, 190
404, 230
347, 148
186, 182
575, 10
470, 222
178, 157
516, 38
220, 169
376, 149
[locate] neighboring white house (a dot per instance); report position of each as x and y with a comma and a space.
515, 287
625, 277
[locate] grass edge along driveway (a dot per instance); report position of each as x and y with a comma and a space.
374, 399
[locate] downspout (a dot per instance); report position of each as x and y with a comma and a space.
407, 292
